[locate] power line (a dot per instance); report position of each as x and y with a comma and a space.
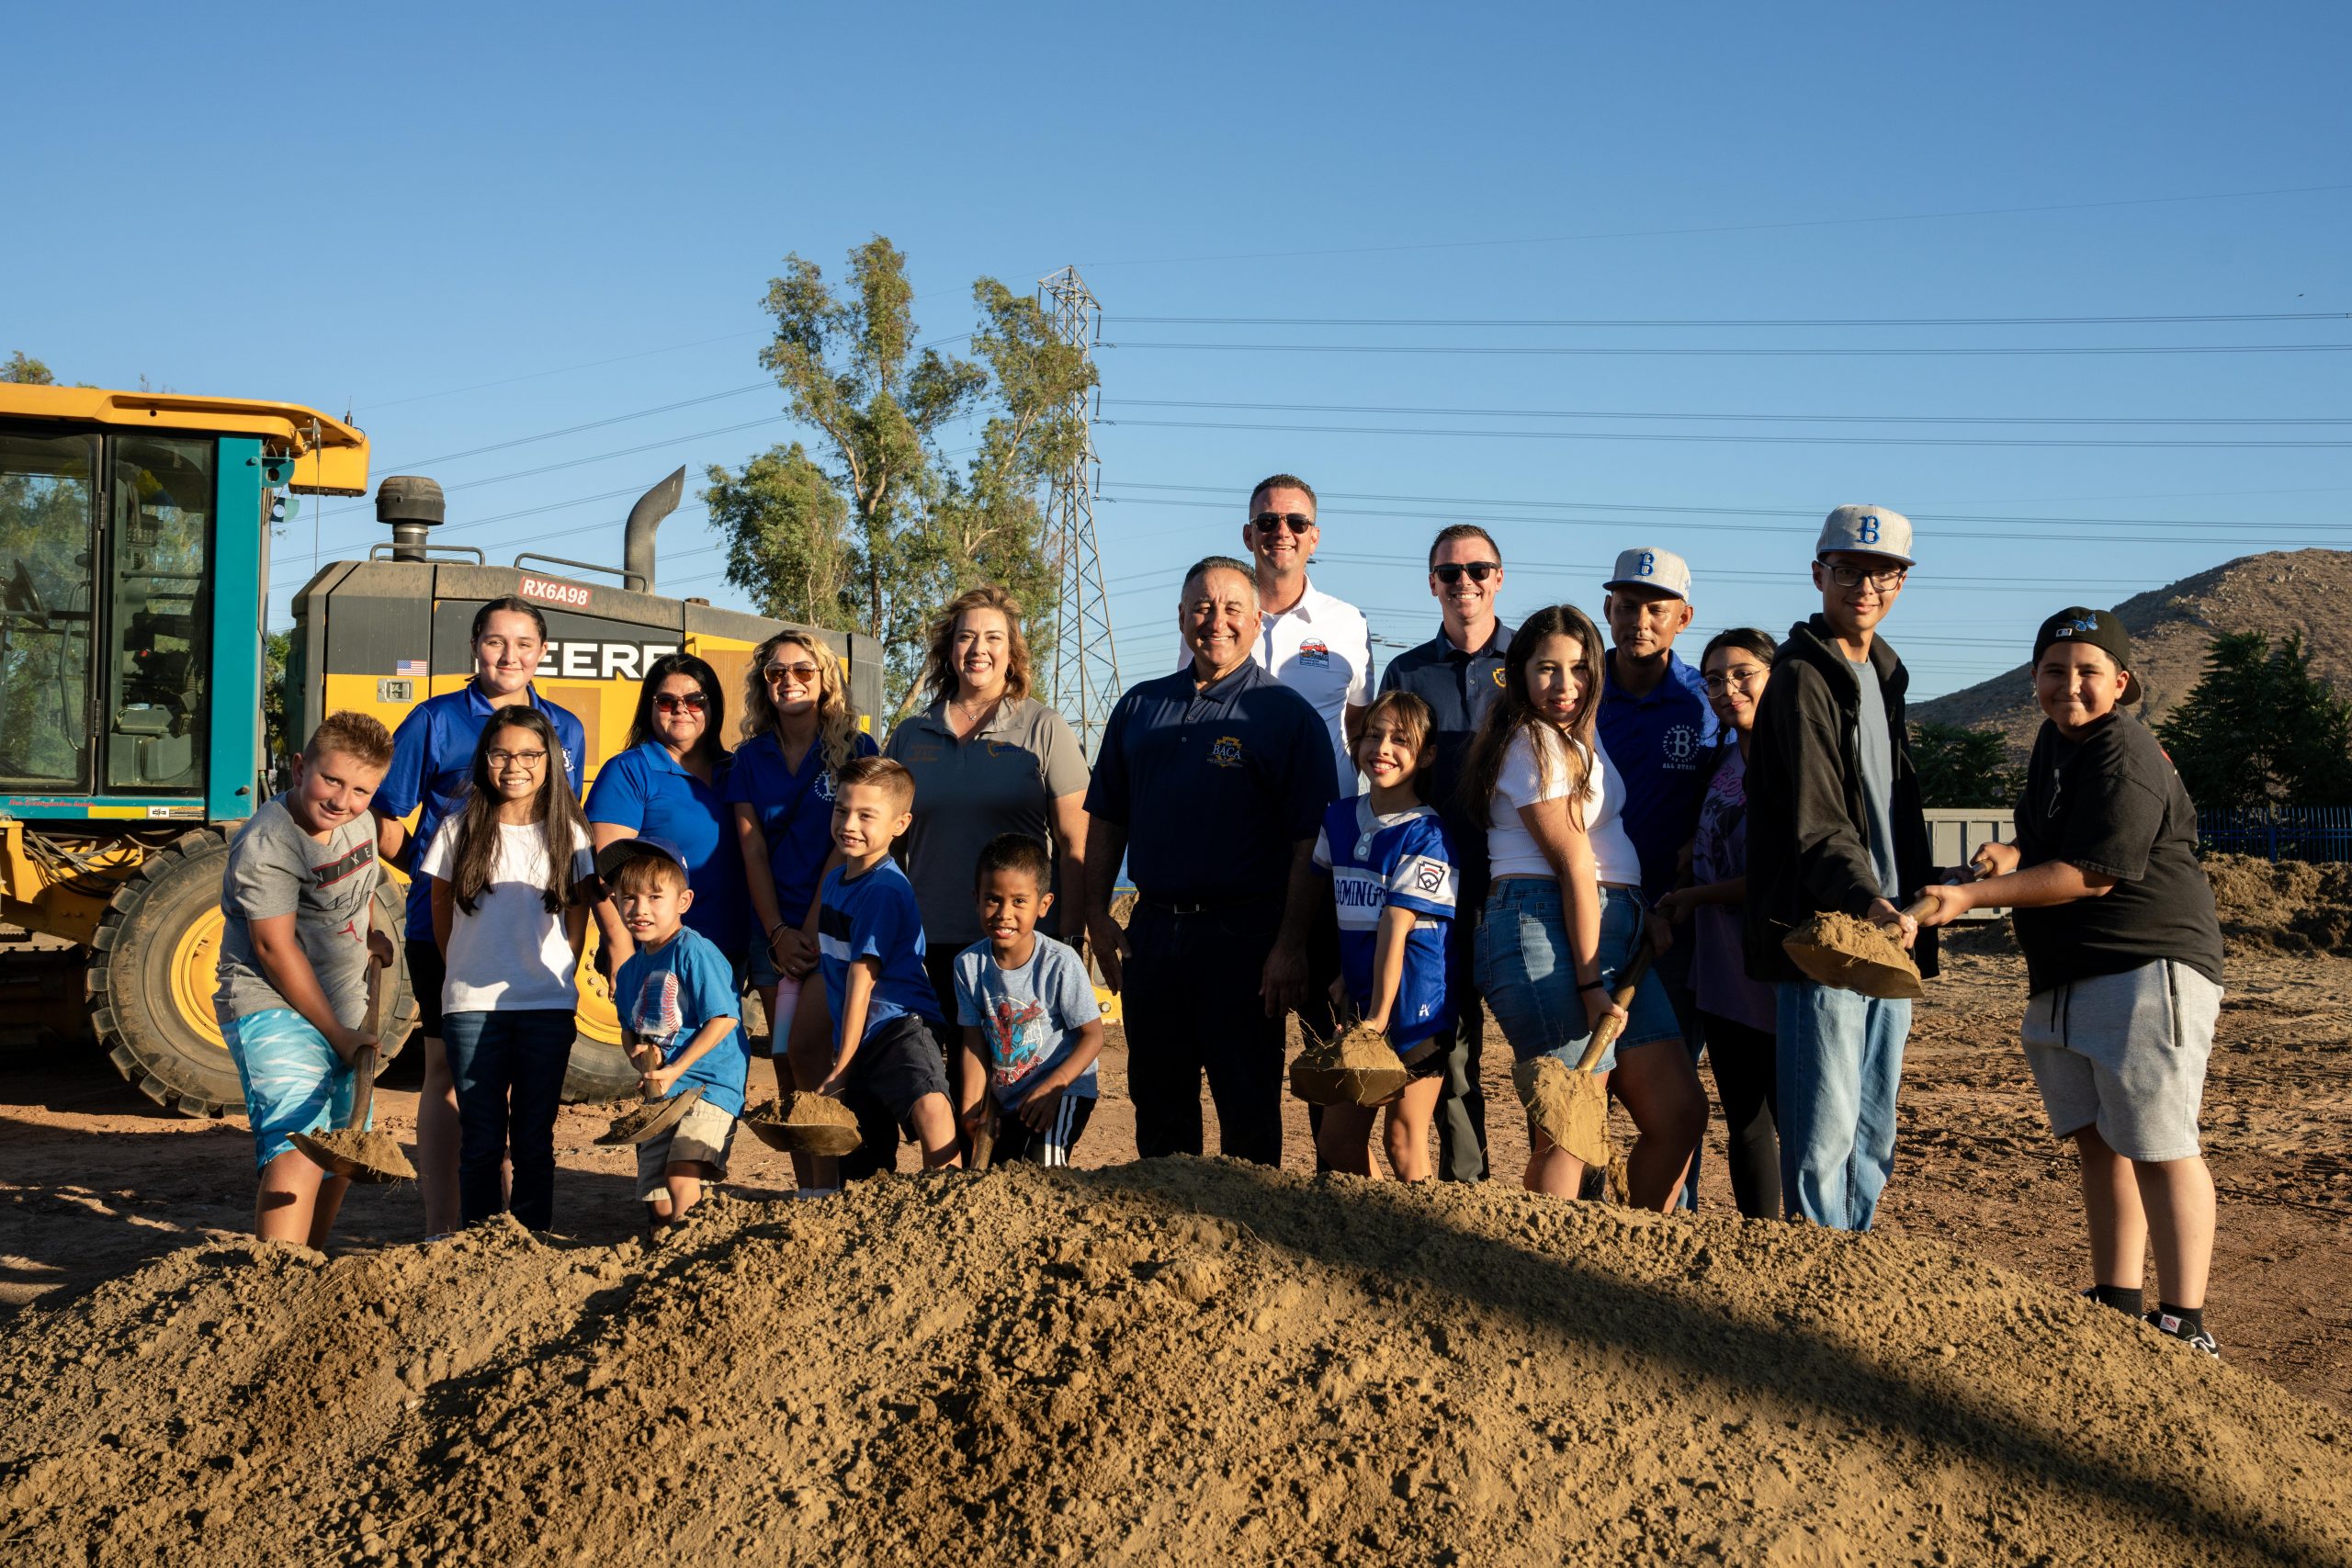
2069, 442
1756, 322
1591, 351
1760, 418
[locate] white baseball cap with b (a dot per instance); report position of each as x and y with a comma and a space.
1646, 568
1867, 530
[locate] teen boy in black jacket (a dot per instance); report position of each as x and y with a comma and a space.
1834, 822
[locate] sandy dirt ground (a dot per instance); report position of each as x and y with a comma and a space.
95, 1182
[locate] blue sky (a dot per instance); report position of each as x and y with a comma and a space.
473, 226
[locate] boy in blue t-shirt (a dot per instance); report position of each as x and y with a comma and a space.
869, 943
1394, 882
680, 1021
1032, 1027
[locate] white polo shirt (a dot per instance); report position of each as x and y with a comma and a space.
1321, 649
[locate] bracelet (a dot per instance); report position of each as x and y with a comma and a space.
1592, 985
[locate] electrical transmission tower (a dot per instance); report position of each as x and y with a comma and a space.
1085, 674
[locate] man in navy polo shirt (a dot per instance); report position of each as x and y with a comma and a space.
1212, 782
1656, 728
433, 756
1459, 674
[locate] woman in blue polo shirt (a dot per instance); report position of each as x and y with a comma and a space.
669, 782
798, 728
433, 757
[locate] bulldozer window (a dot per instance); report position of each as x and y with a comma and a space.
160, 613
47, 538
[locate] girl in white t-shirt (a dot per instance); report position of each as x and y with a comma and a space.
512, 874
1565, 913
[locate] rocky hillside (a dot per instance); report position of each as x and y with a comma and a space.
2280, 591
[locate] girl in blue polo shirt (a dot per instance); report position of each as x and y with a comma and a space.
669, 782
799, 731
1394, 885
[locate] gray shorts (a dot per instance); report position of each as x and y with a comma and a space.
2126, 1054
702, 1136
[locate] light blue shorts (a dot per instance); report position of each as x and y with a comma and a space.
1525, 972
294, 1082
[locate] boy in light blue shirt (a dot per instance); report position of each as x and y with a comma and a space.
1032, 1027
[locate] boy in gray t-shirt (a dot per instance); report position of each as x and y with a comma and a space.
295, 947
1032, 1027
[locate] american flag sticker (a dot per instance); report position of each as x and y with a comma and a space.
410, 669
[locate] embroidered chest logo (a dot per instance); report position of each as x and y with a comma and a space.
1681, 744
822, 787
1499, 674
1227, 753
1314, 653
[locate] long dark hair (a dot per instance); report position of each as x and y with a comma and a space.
558, 814
714, 701
1513, 713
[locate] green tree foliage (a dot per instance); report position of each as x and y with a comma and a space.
276, 649
1964, 766
869, 526
25, 371
2260, 728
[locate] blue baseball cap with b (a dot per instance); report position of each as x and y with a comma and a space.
1647, 567
1867, 530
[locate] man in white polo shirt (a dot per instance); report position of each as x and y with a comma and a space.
1317, 645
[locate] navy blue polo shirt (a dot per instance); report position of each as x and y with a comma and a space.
795, 813
645, 788
1657, 744
1215, 786
1459, 688
432, 766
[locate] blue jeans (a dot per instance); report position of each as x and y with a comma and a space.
509, 1070
1527, 975
1838, 1061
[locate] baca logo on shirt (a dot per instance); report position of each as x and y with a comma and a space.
1499, 674
1227, 753
822, 785
1316, 653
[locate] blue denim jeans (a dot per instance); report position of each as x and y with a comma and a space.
1527, 975
509, 1070
1838, 1061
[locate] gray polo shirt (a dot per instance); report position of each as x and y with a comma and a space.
1003, 778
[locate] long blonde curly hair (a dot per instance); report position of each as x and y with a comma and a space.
939, 663
836, 716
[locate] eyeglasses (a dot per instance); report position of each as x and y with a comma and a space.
671, 701
1885, 582
1450, 571
803, 673
1748, 677
528, 760
1274, 521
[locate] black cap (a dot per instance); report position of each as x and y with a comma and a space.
2101, 630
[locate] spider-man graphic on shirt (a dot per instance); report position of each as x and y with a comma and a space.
1015, 1045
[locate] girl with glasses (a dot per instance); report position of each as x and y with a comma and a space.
510, 875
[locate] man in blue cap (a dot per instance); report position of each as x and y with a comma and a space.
1835, 823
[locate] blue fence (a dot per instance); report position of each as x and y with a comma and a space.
2294, 832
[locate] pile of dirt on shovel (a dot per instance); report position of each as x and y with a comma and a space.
1173, 1359
2293, 907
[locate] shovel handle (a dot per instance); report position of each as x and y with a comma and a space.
364, 1095
984, 1135
1605, 1032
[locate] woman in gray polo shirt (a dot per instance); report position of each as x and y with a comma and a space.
988, 758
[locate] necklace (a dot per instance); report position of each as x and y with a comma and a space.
972, 714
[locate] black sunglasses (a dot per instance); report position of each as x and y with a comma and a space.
1449, 572
1269, 521
671, 701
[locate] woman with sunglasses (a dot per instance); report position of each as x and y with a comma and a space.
669, 782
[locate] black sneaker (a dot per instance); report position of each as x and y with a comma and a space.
2172, 1328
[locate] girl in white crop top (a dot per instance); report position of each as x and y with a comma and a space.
1512, 850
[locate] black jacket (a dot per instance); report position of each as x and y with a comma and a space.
1808, 837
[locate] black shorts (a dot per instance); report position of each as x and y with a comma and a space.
1016, 1141
1432, 1066
425, 971
899, 1063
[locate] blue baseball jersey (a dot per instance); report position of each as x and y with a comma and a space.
644, 788
668, 994
433, 767
875, 917
1657, 745
1404, 861
795, 813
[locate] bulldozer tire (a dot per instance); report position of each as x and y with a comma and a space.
598, 1070
150, 981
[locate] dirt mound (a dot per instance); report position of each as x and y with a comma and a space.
1170, 1359
2293, 907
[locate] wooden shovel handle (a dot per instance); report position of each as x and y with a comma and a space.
984, 1135
364, 1095
1605, 1032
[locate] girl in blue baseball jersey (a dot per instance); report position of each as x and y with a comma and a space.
1393, 883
